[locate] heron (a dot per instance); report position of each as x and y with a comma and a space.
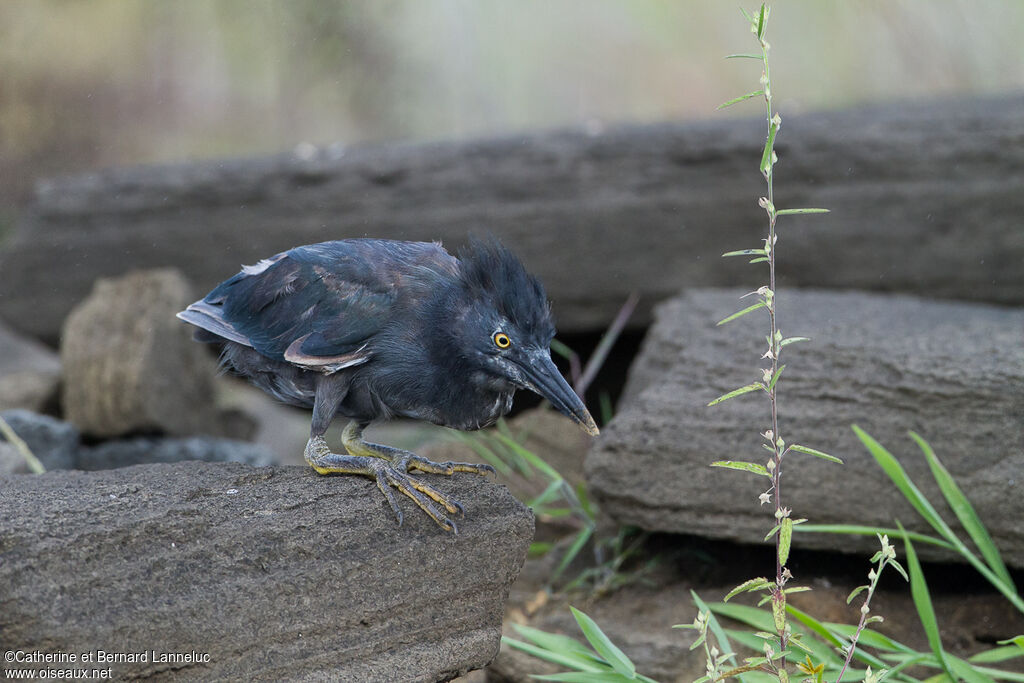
373, 329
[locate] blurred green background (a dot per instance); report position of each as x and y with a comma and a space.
101, 82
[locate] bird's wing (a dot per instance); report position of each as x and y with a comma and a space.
316, 306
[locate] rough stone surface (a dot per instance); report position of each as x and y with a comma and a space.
925, 198
54, 442
131, 366
144, 450
276, 573
29, 372
954, 373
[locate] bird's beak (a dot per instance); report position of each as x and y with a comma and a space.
542, 377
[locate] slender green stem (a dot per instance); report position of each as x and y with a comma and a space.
774, 345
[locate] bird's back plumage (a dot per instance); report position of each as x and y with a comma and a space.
320, 303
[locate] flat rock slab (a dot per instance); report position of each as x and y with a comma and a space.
638, 208
274, 573
954, 373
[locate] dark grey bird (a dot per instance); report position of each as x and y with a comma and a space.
373, 329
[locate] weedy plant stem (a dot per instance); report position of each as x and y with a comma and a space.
771, 305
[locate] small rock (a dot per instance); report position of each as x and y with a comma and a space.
145, 450
29, 372
130, 365
53, 442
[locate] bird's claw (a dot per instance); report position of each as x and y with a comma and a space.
412, 461
423, 494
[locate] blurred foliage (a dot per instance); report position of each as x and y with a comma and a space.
104, 82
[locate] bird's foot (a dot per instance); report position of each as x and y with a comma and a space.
390, 468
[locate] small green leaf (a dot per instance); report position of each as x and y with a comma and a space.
745, 56
772, 532
760, 23
1016, 640
796, 589
748, 309
793, 340
785, 539
737, 392
791, 212
739, 99
759, 259
744, 252
603, 645
740, 465
747, 586
816, 453
779, 612
775, 377
766, 157
854, 593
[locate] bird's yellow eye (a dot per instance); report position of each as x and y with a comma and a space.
501, 340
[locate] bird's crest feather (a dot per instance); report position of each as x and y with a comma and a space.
493, 273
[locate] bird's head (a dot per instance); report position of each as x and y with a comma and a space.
504, 328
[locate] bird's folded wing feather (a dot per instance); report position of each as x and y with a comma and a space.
314, 314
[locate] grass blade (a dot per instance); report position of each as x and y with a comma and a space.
925, 509
748, 309
968, 673
562, 659
898, 475
603, 645
964, 511
751, 616
737, 392
577, 545
998, 654
858, 530
556, 642
19, 445
923, 603
608, 676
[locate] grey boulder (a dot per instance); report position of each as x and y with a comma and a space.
952, 372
